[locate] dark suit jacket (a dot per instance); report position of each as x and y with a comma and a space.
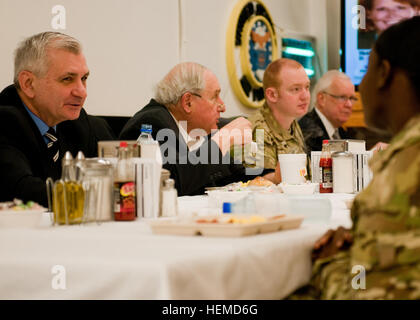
191, 175
314, 131
24, 164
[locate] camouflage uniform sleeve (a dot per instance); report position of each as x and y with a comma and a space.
266, 149
384, 260
329, 280
266, 154
387, 229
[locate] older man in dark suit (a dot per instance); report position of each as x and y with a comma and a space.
334, 96
184, 116
42, 116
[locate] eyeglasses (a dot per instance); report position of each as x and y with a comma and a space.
195, 94
214, 102
342, 98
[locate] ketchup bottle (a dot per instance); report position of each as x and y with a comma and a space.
325, 167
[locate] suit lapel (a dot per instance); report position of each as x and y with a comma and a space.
31, 136
320, 124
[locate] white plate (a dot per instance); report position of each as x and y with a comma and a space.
21, 218
305, 188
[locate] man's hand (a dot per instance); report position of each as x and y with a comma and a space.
236, 132
332, 242
274, 177
379, 146
277, 174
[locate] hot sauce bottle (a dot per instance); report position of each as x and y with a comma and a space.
325, 167
124, 186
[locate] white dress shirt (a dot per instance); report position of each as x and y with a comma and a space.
192, 143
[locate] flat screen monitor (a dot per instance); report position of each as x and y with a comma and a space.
361, 22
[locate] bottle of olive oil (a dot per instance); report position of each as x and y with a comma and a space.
68, 195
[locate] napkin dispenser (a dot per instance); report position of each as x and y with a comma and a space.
347, 145
362, 174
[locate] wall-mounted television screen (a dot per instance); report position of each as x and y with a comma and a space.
361, 23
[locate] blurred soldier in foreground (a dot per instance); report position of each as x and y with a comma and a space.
380, 257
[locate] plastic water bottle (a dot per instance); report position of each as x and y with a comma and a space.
244, 205
145, 136
149, 148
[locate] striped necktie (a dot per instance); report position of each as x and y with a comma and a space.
52, 145
336, 134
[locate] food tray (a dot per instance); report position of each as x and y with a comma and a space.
190, 227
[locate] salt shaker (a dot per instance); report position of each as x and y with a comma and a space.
169, 199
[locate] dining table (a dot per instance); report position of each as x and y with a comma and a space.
127, 260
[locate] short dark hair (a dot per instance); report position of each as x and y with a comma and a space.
400, 45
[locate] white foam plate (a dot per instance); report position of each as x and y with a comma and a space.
21, 218
305, 188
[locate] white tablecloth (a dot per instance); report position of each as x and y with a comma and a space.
124, 260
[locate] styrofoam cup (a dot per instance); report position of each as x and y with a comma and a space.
293, 168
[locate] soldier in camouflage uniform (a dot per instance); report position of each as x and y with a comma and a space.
276, 139
380, 257
286, 90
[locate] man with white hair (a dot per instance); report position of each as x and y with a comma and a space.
333, 96
42, 116
184, 115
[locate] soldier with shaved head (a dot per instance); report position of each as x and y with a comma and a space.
287, 97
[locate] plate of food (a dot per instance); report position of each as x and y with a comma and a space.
259, 183
228, 225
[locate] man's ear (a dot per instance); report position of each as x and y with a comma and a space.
384, 74
320, 99
26, 83
271, 94
186, 103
